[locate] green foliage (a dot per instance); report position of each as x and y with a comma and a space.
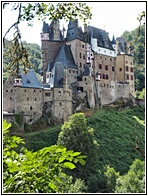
134, 180
116, 131
34, 51
76, 135
40, 171
142, 94
41, 139
111, 176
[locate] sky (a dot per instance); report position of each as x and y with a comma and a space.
113, 17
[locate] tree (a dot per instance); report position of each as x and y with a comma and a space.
76, 135
111, 177
38, 172
18, 53
142, 94
134, 180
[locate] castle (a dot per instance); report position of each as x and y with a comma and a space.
86, 67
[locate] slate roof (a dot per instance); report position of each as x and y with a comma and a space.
101, 36
45, 28
74, 32
113, 40
86, 71
122, 45
66, 58
58, 75
30, 79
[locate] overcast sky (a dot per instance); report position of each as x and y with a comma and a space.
114, 17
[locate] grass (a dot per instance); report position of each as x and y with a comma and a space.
115, 131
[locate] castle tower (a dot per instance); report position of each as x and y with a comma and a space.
51, 43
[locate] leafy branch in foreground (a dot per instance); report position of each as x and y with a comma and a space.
37, 172
27, 12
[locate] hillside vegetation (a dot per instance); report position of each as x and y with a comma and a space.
115, 132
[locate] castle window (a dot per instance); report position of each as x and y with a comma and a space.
104, 85
47, 94
69, 71
28, 81
107, 85
34, 91
35, 99
106, 77
80, 64
59, 93
25, 90
126, 68
120, 69
10, 97
60, 104
30, 107
80, 55
40, 91
73, 71
127, 77
27, 99
131, 69
6, 90
11, 91
100, 66
76, 71
113, 69
82, 45
131, 77
131, 63
110, 59
100, 57
83, 56
126, 62
103, 76
106, 67
85, 79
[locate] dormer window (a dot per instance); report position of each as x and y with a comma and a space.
28, 81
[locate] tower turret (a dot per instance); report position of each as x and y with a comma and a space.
114, 45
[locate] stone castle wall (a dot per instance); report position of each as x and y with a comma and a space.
29, 101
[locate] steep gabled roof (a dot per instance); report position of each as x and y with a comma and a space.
101, 36
66, 58
74, 32
30, 79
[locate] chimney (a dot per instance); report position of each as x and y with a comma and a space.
85, 27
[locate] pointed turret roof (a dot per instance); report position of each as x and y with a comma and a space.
74, 32
45, 28
113, 40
